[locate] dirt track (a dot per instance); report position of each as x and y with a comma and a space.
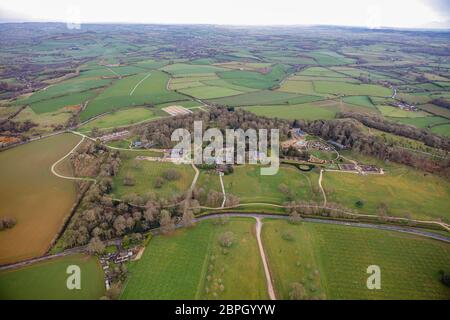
269, 282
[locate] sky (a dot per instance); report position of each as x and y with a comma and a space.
366, 13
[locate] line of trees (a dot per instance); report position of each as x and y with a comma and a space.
349, 132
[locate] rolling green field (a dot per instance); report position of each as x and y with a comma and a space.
363, 101
190, 264
64, 88
351, 89
56, 104
307, 111
423, 122
249, 185
332, 260
264, 98
47, 122
300, 87
180, 69
394, 112
144, 174
31, 194
209, 92
405, 191
120, 118
256, 80
47, 280
141, 89
443, 130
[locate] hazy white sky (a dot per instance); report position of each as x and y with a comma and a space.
371, 13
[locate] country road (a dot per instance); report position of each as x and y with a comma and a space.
409, 230
321, 188
52, 169
223, 190
269, 281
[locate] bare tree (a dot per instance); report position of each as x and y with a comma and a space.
166, 222
226, 239
96, 246
297, 292
188, 218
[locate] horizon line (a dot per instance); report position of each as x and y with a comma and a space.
229, 25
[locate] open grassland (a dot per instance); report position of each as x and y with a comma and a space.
423, 122
151, 64
300, 87
37, 199
265, 98
436, 110
256, 80
351, 89
144, 173
443, 130
209, 180
403, 190
331, 261
225, 84
46, 122
394, 112
308, 111
191, 264
141, 89
329, 58
249, 185
363, 101
47, 280
209, 92
55, 104
64, 88
292, 258
247, 66
121, 118
179, 69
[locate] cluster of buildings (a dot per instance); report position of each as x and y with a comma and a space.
116, 258
297, 140
361, 168
405, 106
114, 136
137, 144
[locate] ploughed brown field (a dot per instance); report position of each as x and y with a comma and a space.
31, 194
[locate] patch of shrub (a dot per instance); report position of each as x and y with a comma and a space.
7, 223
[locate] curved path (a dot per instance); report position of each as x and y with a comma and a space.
194, 181
52, 169
223, 190
321, 189
269, 282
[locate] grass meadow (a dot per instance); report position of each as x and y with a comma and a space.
249, 185
191, 264
144, 174
403, 190
331, 261
121, 118
47, 280
137, 90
